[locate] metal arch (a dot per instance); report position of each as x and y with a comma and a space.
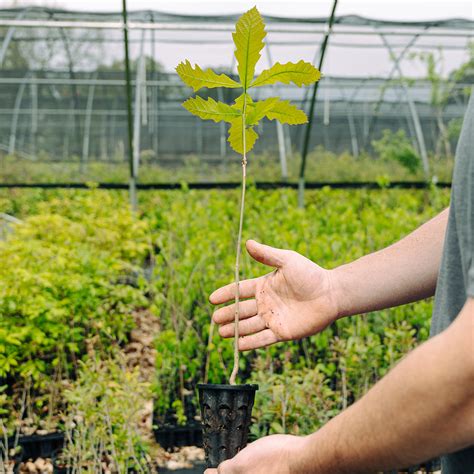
9, 35
414, 113
13, 129
396, 61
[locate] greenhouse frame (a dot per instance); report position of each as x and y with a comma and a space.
62, 85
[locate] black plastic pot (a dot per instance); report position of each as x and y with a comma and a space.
38, 446
169, 437
226, 412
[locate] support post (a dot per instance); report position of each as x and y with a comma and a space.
34, 117
414, 114
138, 108
351, 122
304, 153
128, 89
87, 128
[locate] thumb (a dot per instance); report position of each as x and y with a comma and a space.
265, 254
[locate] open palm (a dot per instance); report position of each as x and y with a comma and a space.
294, 301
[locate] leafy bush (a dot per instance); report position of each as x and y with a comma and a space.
396, 147
103, 416
63, 275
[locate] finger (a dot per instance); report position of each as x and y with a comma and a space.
224, 315
210, 471
246, 327
255, 341
265, 254
227, 293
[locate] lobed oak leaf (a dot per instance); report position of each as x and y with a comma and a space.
197, 78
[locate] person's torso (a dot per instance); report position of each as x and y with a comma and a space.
452, 287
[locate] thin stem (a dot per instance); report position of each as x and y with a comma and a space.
208, 353
235, 369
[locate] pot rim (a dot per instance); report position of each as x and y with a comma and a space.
212, 386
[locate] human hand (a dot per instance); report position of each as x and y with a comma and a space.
278, 454
296, 300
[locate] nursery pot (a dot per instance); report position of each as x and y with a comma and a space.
226, 412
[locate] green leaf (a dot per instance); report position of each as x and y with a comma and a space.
248, 40
197, 78
210, 109
260, 109
236, 137
300, 73
286, 112
239, 102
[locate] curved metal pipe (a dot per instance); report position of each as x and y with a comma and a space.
416, 119
18, 99
9, 35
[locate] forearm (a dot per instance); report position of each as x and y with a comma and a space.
404, 272
424, 407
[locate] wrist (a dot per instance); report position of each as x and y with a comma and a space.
299, 461
339, 292
319, 453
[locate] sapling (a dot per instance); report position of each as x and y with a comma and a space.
245, 113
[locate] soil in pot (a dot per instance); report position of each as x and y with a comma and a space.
226, 412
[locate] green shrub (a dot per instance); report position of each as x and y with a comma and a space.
64, 274
104, 405
396, 147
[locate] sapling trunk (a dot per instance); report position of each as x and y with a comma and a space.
235, 369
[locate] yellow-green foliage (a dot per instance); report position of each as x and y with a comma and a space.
248, 40
193, 233
63, 280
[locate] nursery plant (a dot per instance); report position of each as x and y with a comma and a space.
226, 409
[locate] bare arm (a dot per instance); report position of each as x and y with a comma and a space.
300, 298
404, 272
424, 407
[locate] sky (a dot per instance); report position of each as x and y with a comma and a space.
381, 9
341, 61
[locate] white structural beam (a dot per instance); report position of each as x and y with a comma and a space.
225, 27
